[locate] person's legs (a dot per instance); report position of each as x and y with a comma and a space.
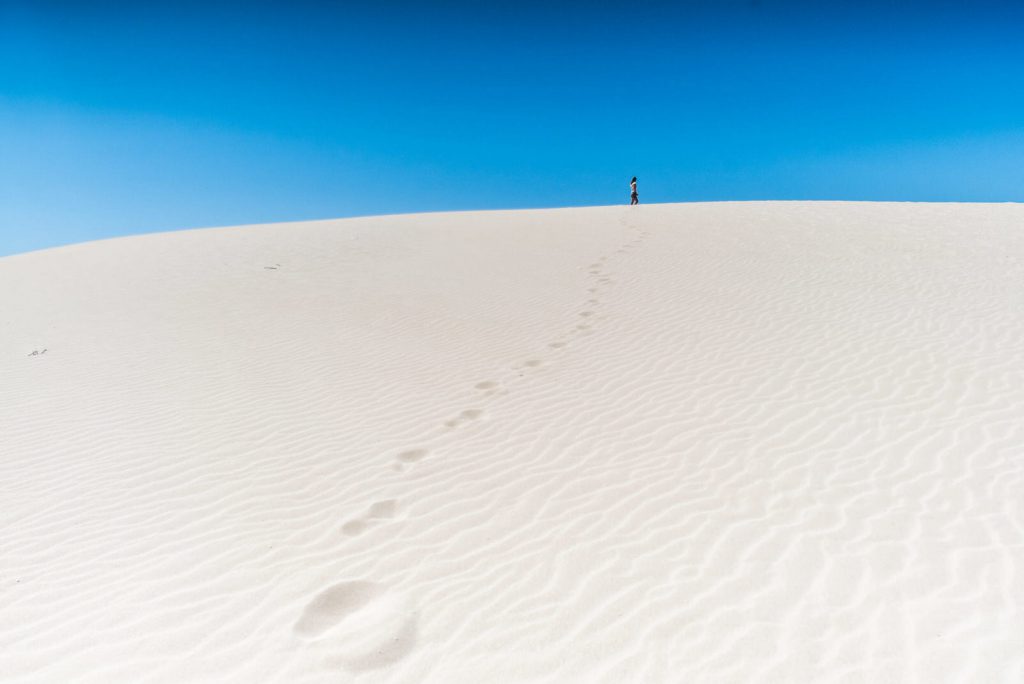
634, 200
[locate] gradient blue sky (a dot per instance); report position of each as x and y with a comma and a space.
119, 118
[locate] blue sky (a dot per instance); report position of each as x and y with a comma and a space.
121, 118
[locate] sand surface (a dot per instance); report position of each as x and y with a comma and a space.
733, 442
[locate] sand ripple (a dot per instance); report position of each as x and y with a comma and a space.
677, 443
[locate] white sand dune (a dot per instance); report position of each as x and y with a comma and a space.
727, 442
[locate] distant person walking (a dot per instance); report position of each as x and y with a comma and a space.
633, 197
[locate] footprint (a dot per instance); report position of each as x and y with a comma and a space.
533, 363
354, 528
486, 385
383, 510
586, 313
333, 605
583, 326
412, 455
557, 345
468, 414
364, 625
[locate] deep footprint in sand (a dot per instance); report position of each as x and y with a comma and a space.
331, 606
360, 625
486, 385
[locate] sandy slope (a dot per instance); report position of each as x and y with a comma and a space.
673, 443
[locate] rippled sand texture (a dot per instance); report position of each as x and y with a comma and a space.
726, 442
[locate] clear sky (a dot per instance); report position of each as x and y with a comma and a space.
120, 118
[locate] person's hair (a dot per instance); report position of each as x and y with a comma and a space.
634, 180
